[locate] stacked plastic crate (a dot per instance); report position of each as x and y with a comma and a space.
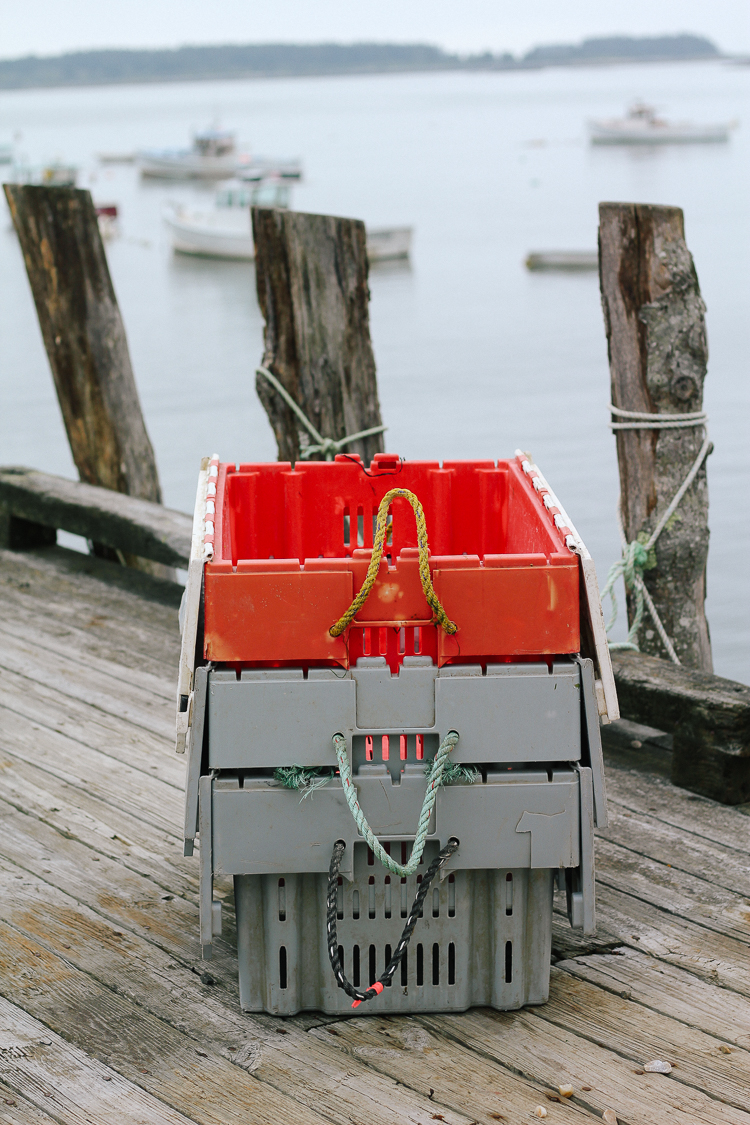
280, 553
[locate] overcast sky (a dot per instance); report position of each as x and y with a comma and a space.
51, 26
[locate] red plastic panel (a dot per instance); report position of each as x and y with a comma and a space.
283, 617
509, 611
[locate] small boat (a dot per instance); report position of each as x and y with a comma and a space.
226, 230
55, 174
6, 154
567, 260
213, 156
107, 215
642, 126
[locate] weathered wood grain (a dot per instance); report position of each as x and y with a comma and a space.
110, 831
84, 337
669, 991
311, 277
188, 1076
714, 957
665, 804
656, 336
16, 1110
41, 1066
531, 1046
114, 782
708, 717
126, 523
87, 610
619, 1024
276, 1055
416, 1053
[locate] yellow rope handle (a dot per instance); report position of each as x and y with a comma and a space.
441, 617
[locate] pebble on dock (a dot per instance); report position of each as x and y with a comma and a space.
658, 1066
540, 1111
610, 1117
566, 1090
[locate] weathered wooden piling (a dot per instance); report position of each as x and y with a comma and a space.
311, 277
85, 339
656, 335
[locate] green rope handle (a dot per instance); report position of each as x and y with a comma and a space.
441, 617
434, 781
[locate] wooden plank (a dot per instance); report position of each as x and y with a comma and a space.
84, 337
94, 728
280, 1055
669, 805
619, 1024
708, 954
114, 782
528, 1044
654, 318
182, 1073
109, 831
100, 690
680, 850
15, 1110
107, 624
708, 717
311, 278
126, 523
39, 1065
674, 892
410, 1051
668, 990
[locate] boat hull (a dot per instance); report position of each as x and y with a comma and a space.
657, 135
187, 166
207, 236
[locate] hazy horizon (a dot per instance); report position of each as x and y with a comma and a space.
45, 27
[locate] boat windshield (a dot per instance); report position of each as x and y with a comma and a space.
214, 143
264, 194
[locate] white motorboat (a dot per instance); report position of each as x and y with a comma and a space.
213, 156
643, 126
226, 230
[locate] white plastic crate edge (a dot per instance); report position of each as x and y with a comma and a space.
201, 548
606, 692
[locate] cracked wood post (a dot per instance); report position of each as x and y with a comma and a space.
656, 336
311, 277
85, 339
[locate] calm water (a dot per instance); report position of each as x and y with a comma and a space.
475, 356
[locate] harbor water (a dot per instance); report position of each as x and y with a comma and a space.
476, 356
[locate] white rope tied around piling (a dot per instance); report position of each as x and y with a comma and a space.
328, 447
636, 555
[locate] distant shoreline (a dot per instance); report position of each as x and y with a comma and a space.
285, 60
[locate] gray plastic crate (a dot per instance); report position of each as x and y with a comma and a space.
534, 733
484, 938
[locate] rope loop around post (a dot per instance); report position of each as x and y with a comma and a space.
441, 617
637, 556
328, 447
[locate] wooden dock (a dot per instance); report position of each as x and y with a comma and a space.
109, 1015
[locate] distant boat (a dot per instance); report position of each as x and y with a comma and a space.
6, 154
55, 174
570, 260
226, 230
642, 126
213, 156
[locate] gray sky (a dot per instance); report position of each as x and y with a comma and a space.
50, 26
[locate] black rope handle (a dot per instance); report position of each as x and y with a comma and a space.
332, 909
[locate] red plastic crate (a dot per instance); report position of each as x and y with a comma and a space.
292, 546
